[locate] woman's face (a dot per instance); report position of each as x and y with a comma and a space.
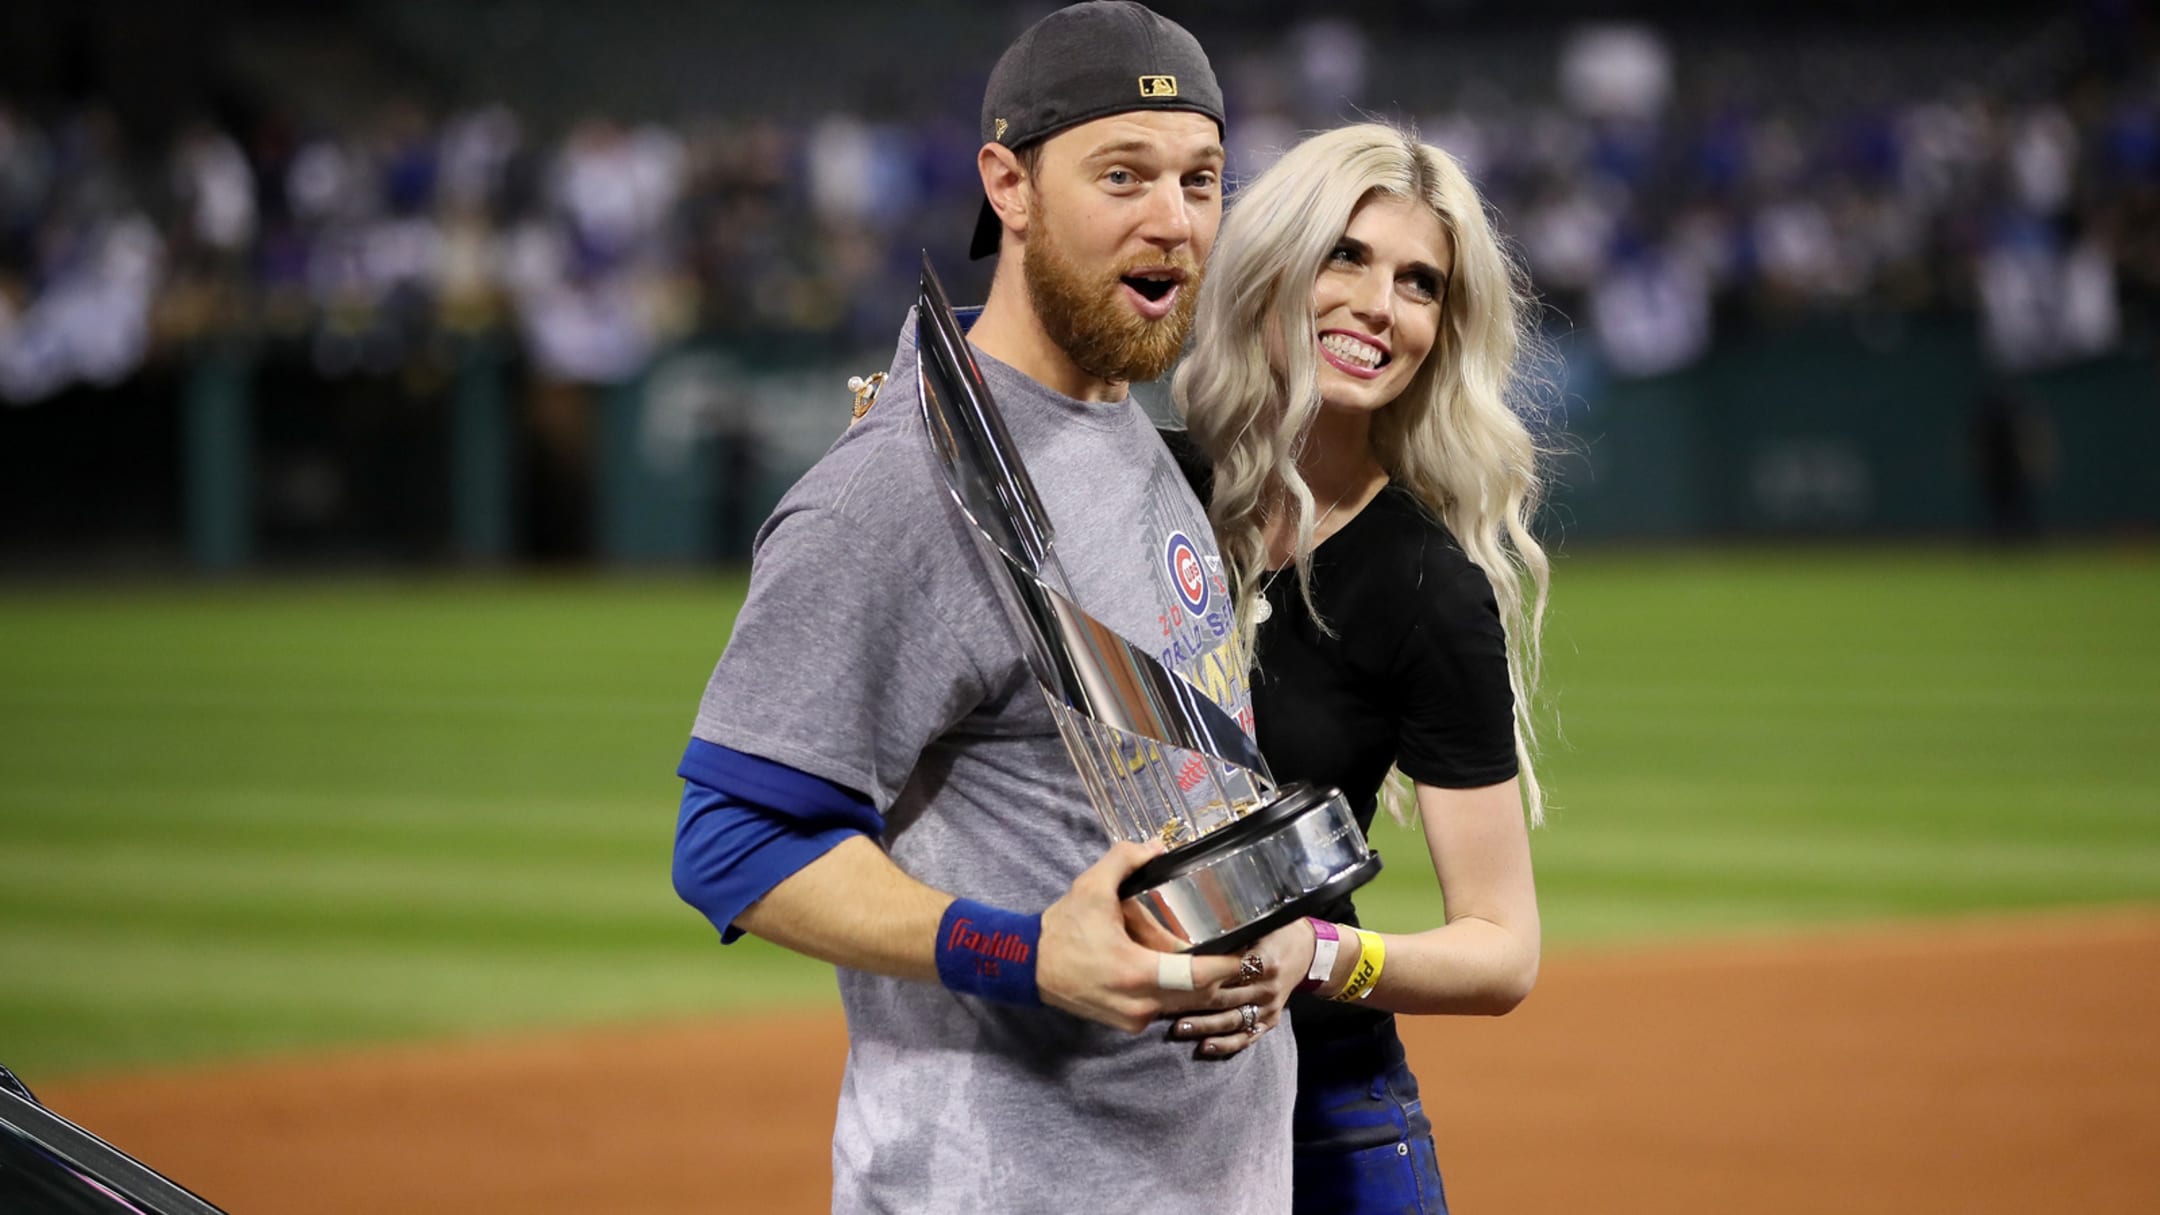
1377, 300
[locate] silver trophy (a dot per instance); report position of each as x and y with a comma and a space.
1157, 758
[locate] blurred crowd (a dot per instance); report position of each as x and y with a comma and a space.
1655, 207
1665, 216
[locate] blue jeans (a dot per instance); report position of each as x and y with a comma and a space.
1362, 1143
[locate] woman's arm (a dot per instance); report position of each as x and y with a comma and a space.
1484, 959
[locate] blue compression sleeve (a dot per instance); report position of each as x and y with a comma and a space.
748, 823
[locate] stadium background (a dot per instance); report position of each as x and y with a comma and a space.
388, 392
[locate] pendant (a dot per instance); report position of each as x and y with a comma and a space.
1261, 611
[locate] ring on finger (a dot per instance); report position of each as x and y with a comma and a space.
1250, 968
1251, 1014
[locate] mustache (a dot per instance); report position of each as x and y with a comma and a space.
1183, 263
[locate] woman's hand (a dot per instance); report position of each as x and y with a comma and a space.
1273, 967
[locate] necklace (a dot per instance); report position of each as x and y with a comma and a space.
1262, 609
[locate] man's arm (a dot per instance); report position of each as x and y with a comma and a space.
853, 907
790, 857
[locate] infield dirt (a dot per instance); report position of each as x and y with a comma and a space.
2000, 1066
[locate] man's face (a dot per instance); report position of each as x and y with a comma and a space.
1122, 213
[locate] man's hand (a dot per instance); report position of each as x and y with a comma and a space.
1090, 966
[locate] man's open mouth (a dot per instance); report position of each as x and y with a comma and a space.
1153, 285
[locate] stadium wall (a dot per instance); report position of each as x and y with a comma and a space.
1807, 432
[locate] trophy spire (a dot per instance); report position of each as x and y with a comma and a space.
1244, 857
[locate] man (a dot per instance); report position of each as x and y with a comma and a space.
872, 744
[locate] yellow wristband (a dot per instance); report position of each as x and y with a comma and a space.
1371, 957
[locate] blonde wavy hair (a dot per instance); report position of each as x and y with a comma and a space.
1455, 438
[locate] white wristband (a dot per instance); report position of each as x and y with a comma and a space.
1323, 958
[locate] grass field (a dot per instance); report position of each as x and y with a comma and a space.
261, 818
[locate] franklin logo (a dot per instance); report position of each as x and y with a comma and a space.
1158, 86
989, 948
1186, 573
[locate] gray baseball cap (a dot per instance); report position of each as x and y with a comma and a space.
1084, 62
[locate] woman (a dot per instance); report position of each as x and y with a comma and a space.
1356, 361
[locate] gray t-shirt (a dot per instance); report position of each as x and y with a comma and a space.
873, 651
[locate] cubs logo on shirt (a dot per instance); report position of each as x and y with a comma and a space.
1187, 575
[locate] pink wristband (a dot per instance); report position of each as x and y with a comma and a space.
1325, 942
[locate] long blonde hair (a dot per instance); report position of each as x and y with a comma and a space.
1455, 437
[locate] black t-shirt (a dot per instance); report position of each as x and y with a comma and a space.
1415, 675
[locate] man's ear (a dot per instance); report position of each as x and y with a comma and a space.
1005, 184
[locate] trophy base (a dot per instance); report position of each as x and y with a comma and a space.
1291, 857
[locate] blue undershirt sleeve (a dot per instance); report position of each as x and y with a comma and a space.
747, 823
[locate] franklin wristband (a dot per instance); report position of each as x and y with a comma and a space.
989, 952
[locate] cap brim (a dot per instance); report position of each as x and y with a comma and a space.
989, 232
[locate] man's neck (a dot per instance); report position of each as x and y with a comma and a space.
1009, 331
